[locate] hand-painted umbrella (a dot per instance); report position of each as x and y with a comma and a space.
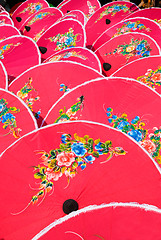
148, 72
3, 77
107, 16
125, 104
18, 53
140, 25
109, 221
125, 48
39, 22
151, 13
5, 20
77, 54
15, 119
75, 14
8, 31
64, 167
26, 9
41, 86
65, 34
87, 7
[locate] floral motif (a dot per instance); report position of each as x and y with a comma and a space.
63, 88
39, 16
65, 40
73, 154
66, 55
91, 9
8, 119
129, 27
26, 93
136, 128
38, 35
32, 8
136, 47
5, 48
69, 115
152, 78
158, 21
115, 8
2, 21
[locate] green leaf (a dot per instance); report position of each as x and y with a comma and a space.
95, 154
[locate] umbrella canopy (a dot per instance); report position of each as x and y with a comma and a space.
41, 86
125, 48
3, 77
15, 119
4, 19
148, 71
8, 31
107, 16
128, 220
40, 22
4, 13
18, 53
77, 54
26, 9
64, 34
122, 103
49, 172
75, 14
140, 25
87, 7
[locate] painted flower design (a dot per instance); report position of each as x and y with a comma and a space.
91, 9
50, 175
32, 8
65, 158
39, 16
136, 47
152, 78
148, 145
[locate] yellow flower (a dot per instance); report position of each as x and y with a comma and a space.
130, 48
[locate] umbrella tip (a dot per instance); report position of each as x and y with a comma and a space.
27, 28
18, 19
43, 50
108, 21
106, 66
69, 206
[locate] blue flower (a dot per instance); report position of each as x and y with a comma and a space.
99, 148
114, 117
68, 41
131, 25
5, 47
138, 53
63, 138
38, 7
108, 114
117, 8
1, 107
122, 124
109, 109
38, 16
89, 159
110, 120
140, 25
78, 149
133, 121
6, 117
140, 47
83, 166
136, 134
146, 53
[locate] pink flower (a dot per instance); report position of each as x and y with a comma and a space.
119, 50
156, 77
63, 39
65, 158
148, 145
51, 175
91, 11
110, 9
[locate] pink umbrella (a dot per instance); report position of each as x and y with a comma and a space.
40, 22
107, 16
18, 53
77, 54
122, 103
87, 7
151, 13
7, 31
26, 9
109, 221
148, 72
69, 166
75, 14
15, 119
41, 86
140, 25
65, 34
125, 48
5, 20
4, 13
3, 77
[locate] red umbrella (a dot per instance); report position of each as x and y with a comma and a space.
8, 31
40, 22
3, 77
15, 119
41, 86
109, 221
122, 103
83, 161
125, 48
65, 34
87, 7
148, 72
77, 54
26, 9
4, 13
18, 53
107, 16
5, 20
75, 14
140, 25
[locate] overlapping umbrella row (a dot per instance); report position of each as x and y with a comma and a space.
89, 78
